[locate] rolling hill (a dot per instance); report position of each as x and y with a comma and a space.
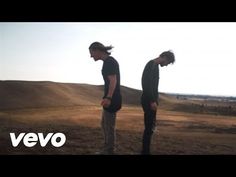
44, 94
37, 94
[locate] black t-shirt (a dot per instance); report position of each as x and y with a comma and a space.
111, 67
150, 82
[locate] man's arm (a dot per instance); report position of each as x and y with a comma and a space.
112, 85
149, 91
148, 77
147, 82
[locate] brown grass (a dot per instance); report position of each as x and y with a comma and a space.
73, 109
179, 133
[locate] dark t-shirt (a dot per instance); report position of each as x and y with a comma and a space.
111, 67
150, 82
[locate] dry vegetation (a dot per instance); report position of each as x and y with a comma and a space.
72, 109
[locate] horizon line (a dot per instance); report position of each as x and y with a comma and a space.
173, 93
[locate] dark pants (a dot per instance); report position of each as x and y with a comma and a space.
149, 124
108, 127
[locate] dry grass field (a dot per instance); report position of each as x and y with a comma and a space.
78, 116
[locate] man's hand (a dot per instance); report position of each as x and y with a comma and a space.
153, 106
106, 102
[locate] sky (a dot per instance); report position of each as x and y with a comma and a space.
58, 51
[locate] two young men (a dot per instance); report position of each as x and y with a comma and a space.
112, 99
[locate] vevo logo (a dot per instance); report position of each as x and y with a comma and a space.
31, 139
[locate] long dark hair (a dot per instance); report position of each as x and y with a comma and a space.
101, 47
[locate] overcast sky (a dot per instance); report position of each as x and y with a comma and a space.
205, 53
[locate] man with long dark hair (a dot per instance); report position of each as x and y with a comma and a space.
111, 100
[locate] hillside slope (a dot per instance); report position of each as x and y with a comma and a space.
37, 94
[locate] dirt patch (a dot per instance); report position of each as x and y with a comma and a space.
178, 132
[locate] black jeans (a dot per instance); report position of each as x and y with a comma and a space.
149, 124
